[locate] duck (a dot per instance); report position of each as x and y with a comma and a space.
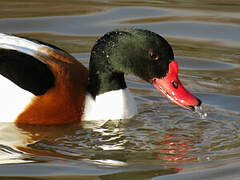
42, 84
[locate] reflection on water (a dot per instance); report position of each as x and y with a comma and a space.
174, 148
163, 138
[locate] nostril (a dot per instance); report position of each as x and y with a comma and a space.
154, 80
199, 102
175, 84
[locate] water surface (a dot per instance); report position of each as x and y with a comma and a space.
163, 141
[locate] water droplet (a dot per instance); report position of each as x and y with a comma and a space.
200, 112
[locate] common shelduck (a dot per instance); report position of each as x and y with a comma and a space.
43, 84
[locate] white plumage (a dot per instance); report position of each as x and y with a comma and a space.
13, 100
117, 104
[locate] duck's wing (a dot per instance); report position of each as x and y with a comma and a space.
20, 62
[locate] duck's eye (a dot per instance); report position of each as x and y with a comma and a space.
153, 55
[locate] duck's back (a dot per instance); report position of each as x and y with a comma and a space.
41, 84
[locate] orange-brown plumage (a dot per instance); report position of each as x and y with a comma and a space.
64, 102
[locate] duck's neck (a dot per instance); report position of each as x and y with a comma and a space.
112, 105
101, 82
108, 97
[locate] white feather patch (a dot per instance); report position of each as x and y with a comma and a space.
117, 104
13, 100
20, 44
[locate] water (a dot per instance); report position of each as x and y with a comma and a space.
163, 141
199, 110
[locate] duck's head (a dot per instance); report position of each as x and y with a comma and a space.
141, 53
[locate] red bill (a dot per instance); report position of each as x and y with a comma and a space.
172, 88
